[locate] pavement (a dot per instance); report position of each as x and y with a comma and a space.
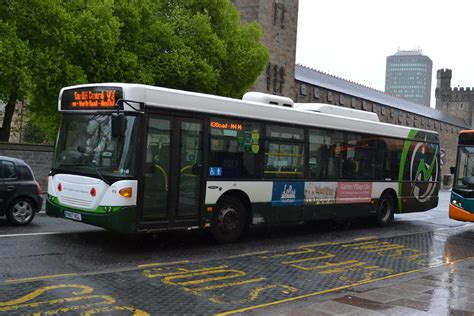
446, 290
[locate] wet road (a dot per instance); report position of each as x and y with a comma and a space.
58, 265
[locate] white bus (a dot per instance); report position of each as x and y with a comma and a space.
137, 158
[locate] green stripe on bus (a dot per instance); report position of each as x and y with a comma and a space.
401, 172
422, 168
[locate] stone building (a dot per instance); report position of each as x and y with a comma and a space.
458, 102
318, 87
278, 19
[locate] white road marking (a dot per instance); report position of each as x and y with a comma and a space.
30, 234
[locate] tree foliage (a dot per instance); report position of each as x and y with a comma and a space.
14, 73
195, 45
33, 134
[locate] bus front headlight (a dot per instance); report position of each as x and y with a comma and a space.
456, 203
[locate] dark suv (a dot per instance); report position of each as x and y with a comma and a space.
20, 193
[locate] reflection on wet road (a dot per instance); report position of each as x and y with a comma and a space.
241, 283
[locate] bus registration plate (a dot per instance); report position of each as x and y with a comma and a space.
74, 216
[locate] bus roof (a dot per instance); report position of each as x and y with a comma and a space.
466, 138
158, 97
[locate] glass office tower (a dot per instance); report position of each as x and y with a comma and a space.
408, 76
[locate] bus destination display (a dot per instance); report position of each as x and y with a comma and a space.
91, 98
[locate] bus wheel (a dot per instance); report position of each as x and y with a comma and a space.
229, 220
385, 210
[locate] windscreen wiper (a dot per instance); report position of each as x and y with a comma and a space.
109, 182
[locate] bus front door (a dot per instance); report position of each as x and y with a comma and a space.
173, 171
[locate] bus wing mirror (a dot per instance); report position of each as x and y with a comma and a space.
118, 125
452, 170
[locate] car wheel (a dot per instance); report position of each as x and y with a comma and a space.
21, 212
386, 210
228, 222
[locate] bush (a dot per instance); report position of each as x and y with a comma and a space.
33, 134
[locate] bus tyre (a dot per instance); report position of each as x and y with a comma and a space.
21, 212
228, 222
385, 210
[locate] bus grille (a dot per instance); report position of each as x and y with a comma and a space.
76, 202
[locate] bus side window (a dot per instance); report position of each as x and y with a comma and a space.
391, 154
318, 155
365, 157
336, 154
235, 147
284, 152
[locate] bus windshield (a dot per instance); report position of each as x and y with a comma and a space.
465, 167
85, 144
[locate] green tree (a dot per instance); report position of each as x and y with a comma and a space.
195, 45
14, 73
33, 134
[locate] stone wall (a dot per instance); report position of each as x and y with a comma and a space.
279, 21
38, 157
458, 101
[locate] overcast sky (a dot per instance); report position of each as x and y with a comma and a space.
351, 39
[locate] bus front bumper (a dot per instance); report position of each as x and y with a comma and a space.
460, 214
123, 220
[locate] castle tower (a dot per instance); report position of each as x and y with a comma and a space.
455, 101
279, 21
443, 89
443, 77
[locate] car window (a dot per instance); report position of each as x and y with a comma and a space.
25, 173
9, 171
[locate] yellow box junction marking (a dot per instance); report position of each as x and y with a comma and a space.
249, 308
225, 285
80, 293
326, 263
294, 298
160, 264
206, 280
41, 278
396, 251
